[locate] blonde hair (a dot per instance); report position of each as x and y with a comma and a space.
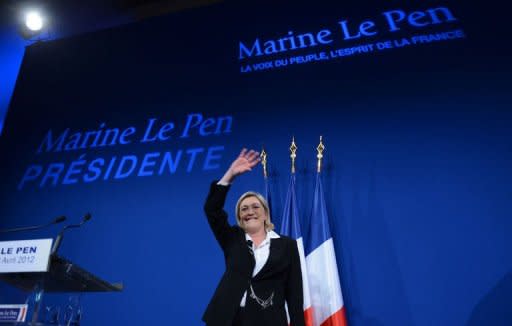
268, 223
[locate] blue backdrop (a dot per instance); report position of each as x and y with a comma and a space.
133, 123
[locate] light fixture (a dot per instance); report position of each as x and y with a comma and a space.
34, 21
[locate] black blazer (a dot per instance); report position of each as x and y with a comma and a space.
281, 274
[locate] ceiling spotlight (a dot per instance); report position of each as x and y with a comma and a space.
34, 21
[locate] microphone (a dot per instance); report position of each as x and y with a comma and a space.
35, 227
58, 239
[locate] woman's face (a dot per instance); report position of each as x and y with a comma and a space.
252, 215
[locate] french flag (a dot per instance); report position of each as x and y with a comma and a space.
322, 270
290, 227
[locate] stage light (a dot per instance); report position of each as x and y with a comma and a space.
34, 21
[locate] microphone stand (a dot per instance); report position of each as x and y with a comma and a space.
35, 227
60, 236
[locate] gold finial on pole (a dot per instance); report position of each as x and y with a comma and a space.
320, 150
263, 157
293, 155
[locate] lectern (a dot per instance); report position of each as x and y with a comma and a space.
61, 276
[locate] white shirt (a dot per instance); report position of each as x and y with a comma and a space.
261, 254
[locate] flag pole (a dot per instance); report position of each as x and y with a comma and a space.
263, 157
320, 154
293, 153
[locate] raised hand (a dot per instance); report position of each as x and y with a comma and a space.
243, 163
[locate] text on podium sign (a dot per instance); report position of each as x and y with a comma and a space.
25, 255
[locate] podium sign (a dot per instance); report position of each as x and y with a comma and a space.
13, 312
28, 265
25, 255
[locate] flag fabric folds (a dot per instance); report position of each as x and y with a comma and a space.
322, 271
290, 226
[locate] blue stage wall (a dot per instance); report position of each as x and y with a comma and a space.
416, 171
